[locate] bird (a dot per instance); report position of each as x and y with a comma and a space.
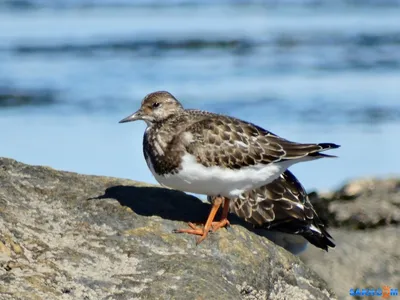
282, 205
213, 154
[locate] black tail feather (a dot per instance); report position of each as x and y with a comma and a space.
325, 146
323, 241
320, 239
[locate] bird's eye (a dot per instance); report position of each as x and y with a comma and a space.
156, 104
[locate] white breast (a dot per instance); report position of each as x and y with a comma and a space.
214, 181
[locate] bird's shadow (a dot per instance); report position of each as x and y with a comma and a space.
165, 203
177, 206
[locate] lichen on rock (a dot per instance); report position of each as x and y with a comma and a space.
69, 236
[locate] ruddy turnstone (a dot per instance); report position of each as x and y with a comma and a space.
282, 205
216, 155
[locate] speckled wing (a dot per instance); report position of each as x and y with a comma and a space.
282, 199
232, 143
282, 205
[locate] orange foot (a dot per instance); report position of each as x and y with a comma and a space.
210, 224
202, 230
217, 225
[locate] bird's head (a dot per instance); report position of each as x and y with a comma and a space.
155, 107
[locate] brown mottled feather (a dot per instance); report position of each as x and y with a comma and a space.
273, 206
233, 143
218, 140
215, 140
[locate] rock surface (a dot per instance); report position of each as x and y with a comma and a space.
361, 204
361, 259
366, 214
70, 236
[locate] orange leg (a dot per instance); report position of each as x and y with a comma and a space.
209, 224
224, 218
203, 231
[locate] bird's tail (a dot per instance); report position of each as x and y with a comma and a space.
320, 239
315, 234
324, 147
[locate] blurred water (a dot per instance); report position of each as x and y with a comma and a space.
310, 71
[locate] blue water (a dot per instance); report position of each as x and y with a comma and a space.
310, 71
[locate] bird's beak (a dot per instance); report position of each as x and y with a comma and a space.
133, 117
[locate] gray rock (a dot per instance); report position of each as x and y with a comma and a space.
70, 236
366, 213
361, 259
361, 204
